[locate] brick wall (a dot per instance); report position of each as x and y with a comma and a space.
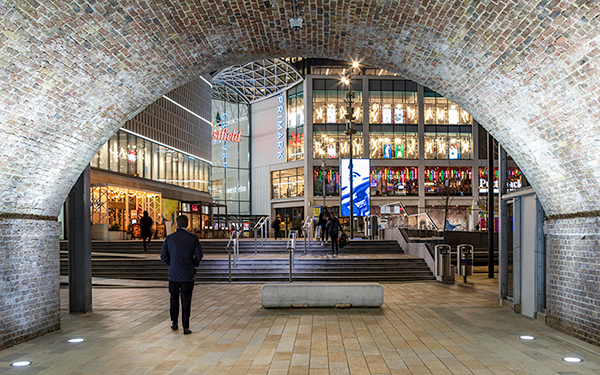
29, 279
72, 73
573, 277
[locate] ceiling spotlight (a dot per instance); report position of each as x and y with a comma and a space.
355, 64
20, 363
296, 23
572, 359
76, 341
527, 337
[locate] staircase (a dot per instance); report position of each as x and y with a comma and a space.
127, 260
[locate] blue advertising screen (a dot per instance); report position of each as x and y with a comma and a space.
362, 200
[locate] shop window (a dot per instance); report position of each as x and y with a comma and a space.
448, 181
288, 183
329, 105
331, 142
386, 181
448, 128
393, 102
295, 128
393, 118
128, 154
328, 178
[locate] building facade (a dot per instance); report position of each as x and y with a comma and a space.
160, 162
422, 150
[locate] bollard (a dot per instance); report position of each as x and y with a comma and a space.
229, 253
291, 262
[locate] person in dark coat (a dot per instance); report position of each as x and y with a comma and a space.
276, 226
334, 231
146, 224
182, 252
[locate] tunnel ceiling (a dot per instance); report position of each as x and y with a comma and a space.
72, 73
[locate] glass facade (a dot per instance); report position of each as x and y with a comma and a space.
393, 119
448, 128
394, 181
330, 176
329, 118
231, 157
295, 128
453, 181
139, 157
288, 183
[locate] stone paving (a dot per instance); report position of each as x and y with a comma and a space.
422, 328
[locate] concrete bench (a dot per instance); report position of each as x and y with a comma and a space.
321, 295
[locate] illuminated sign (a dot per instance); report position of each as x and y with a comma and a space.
223, 135
361, 197
280, 111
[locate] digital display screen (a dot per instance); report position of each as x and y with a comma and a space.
361, 186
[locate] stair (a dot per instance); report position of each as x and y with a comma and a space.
122, 260
247, 247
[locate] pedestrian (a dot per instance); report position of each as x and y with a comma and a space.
182, 252
324, 228
334, 232
146, 224
276, 226
321, 226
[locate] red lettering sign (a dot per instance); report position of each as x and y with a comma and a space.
223, 135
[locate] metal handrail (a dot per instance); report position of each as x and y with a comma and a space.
307, 229
262, 222
291, 246
234, 243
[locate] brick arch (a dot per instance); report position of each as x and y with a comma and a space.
71, 74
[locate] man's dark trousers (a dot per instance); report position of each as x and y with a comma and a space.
186, 289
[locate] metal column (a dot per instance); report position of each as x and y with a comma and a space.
503, 226
80, 245
490, 210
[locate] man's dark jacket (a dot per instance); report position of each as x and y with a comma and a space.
146, 223
182, 252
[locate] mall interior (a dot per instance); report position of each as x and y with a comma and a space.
234, 116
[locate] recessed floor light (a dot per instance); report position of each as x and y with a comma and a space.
527, 337
572, 359
76, 340
20, 363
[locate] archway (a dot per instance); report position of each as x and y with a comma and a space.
71, 74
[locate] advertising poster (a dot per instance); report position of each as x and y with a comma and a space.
361, 187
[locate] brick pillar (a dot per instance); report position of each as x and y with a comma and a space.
29, 274
572, 294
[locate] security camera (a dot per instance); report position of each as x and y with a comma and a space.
296, 23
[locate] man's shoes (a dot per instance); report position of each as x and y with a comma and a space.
186, 331
174, 326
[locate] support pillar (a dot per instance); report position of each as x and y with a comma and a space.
503, 228
80, 245
490, 210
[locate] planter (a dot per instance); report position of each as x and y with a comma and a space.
116, 235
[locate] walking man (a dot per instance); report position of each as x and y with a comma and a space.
182, 252
334, 231
146, 224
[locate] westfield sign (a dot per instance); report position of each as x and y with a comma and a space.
224, 135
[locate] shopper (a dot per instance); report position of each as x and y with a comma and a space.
182, 252
334, 232
276, 226
146, 224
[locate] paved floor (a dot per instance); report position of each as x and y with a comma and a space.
423, 328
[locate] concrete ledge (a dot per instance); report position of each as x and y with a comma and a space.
321, 295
